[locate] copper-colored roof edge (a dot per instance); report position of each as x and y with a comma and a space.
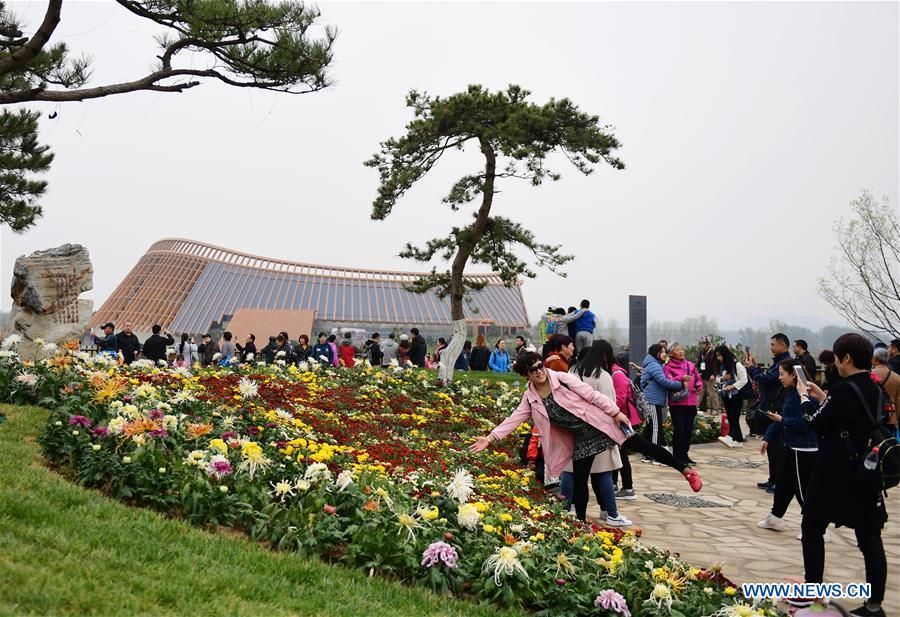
301, 264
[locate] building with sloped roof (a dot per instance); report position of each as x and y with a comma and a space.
193, 287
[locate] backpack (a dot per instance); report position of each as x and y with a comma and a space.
887, 473
637, 399
553, 327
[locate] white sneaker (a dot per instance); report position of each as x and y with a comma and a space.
727, 440
737, 444
826, 538
771, 522
619, 521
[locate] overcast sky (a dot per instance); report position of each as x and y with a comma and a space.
746, 130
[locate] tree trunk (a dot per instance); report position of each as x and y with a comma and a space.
454, 347
457, 288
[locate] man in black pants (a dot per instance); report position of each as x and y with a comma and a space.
770, 399
835, 494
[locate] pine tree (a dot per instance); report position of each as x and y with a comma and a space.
246, 43
515, 137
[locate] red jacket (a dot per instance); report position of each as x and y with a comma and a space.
348, 355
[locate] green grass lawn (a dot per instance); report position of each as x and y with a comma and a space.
69, 551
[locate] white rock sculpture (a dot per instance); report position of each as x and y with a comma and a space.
45, 290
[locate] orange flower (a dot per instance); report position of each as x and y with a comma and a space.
371, 506
139, 426
510, 539
72, 345
195, 431
107, 387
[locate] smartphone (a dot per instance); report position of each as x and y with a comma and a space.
801, 375
626, 428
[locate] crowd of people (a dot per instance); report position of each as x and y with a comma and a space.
584, 409
589, 413
408, 350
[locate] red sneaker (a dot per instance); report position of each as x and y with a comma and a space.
694, 480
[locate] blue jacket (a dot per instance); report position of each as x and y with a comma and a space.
106, 344
586, 322
655, 384
322, 349
499, 361
793, 430
462, 361
768, 381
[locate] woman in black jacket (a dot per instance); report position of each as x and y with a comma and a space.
834, 493
478, 361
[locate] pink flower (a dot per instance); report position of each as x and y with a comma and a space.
612, 600
219, 467
440, 552
80, 420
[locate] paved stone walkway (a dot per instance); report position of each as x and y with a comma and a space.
729, 535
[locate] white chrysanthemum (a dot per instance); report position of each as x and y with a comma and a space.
162, 363
661, 595
281, 354
344, 479
468, 516
116, 425
50, 347
145, 391
143, 363
217, 356
130, 411
181, 371
280, 363
303, 366
39, 341
247, 388
302, 485
738, 609
11, 341
281, 489
27, 379
7, 353
195, 457
249, 357
84, 356
183, 396
504, 562
462, 486
234, 361
170, 423
317, 471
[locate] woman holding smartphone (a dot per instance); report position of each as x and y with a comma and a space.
576, 423
800, 446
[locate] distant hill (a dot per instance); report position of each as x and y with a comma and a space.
813, 322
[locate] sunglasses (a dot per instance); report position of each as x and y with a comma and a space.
536, 368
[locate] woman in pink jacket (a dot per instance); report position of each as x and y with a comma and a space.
682, 404
575, 422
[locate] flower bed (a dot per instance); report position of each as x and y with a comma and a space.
368, 468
